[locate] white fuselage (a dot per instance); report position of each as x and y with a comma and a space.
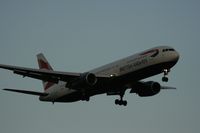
145, 59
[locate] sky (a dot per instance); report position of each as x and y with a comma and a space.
76, 36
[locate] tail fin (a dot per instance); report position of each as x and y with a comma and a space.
44, 64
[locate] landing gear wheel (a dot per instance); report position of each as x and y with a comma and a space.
124, 103
165, 79
120, 102
117, 101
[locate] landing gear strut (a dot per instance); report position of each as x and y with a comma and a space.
121, 101
165, 78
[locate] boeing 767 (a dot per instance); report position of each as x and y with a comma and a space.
112, 79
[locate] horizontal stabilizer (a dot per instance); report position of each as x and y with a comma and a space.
27, 92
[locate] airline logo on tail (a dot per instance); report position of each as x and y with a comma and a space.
43, 64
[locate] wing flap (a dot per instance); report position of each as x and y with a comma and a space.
27, 92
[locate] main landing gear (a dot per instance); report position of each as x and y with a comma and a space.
165, 78
121, 101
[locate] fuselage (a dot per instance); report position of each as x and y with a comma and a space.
133, 68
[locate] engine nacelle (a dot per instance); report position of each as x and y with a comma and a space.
89, 78
148, 89
86, 80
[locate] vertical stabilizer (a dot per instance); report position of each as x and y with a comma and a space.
44, 64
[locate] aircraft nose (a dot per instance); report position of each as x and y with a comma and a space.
176, 56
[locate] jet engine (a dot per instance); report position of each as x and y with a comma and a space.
148, 89
86, 80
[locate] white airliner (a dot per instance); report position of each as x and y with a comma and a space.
112, 79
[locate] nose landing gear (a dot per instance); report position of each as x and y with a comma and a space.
165, 78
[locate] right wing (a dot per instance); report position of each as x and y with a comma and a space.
46, 75
27, 92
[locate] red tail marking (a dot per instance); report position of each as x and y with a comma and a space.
43, 64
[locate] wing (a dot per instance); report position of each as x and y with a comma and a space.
27, 92
45, 75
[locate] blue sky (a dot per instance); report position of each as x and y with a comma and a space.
77, 36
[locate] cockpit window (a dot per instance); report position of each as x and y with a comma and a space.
170, 49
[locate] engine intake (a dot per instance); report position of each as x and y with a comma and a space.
86, 80
89, 78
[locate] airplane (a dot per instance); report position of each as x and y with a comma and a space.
111, 79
